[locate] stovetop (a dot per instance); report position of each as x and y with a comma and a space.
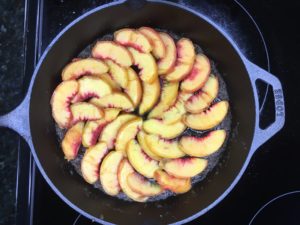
266, 32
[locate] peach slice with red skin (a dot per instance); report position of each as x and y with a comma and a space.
208, 118
174, 113
115, 100
109, 80
134, 88
72, 141
180, 71
158, 47
168, 97
184, 167
90, 86
84, 111
113, 51
185, 51
142, 186
124, 170
81, 67
198, 76
177, 111
111, 113
141, 137
159, 127
184, 62
146, 63
174, 184
133, 38
91, 160
126, 133
198, 102
211, 87
164, 148
93, 129
150, 96
109, 133
109, 173
118, 73
203, 146
140, 161
60, 102
91, 132
202, 100
166, 63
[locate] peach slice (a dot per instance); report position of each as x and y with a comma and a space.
124, 170
109, 133
202, 100
90, 86
151, 94
109, 173
133, 38
60, 102
184, 96
114, 100
167, 99
211, 87
127, 132
82, 67
184, 61
140, 161
158, 47
91, 132
179, 72
134, 88
198, 102
111, 50
164, 148
198, 76
203, 146
146, 63
118, 73
111, 113
91, 160
185, 51
159, 127
208, 118
167, 63
177, 185
83, 111
185, 167
72, 141
177, 111
112, 83
142, 186
141, 136
93, 129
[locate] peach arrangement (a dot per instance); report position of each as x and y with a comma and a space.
128, 105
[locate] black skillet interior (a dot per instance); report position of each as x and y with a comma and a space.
83, 195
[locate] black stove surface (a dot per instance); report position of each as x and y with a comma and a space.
266, 31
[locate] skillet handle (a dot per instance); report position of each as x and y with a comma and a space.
18, 119
262, 135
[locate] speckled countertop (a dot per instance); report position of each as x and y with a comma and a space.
11, 82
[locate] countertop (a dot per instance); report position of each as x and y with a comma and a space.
11, 82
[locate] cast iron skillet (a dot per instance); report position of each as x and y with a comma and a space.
32, 118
